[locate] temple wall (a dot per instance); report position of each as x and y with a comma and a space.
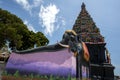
59, 63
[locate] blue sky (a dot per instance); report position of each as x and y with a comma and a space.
53, 17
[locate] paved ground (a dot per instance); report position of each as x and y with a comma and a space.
2, 66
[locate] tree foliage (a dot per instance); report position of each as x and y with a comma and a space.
14, 30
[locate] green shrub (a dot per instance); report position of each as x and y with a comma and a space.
51, 77
16, 74
4, 73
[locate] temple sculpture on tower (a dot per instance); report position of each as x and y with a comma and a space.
86, 28
100, 62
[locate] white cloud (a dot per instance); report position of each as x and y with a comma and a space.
63, 22
27, 6
60, 22
36, 3
48, 17
29, 26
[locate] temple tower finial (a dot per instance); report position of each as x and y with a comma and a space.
83, 6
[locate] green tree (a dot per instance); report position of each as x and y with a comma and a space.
14, 30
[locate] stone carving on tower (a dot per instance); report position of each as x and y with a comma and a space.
86, 28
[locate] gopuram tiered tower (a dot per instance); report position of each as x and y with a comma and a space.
100, 62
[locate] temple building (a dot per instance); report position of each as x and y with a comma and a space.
100, 62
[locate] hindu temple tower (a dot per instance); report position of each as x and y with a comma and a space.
100, 62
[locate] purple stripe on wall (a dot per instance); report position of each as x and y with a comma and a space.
59, 63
